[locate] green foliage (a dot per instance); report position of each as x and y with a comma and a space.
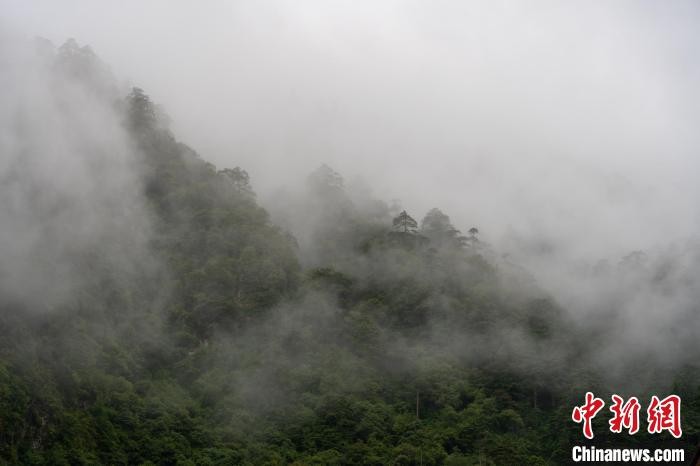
398, 348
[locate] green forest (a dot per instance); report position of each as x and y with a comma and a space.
324, 331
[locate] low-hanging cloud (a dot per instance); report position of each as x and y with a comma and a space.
68, 185
569, 124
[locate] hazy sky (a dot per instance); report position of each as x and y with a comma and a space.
572, 121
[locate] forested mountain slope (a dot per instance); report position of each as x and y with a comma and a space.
193, 330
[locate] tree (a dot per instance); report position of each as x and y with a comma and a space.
472, 241
435, 221
81, 65
325, 180
327, 189
405, 223
142, 112
239, 180
437, 228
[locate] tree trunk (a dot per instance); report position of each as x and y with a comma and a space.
417, 405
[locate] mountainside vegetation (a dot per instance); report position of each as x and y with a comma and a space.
330, 333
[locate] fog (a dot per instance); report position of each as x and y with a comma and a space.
573, 126
566, 135
69, 189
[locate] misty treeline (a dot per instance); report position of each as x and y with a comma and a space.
154, 313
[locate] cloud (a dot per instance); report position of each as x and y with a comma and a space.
570, 123
68, 187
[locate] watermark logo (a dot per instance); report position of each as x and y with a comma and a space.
625, 414
662, 415
665, 415
587, 412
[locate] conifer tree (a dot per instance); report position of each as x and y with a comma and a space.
405, 223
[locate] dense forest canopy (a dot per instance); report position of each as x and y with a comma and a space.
153, 312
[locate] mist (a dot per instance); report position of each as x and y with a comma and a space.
565, 136
69, 187
570, 126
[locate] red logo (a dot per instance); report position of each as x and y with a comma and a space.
665, 415
625, 415
661, 415
587, 412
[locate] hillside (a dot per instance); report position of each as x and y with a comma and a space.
176, 321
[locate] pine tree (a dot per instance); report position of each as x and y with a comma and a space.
405, 223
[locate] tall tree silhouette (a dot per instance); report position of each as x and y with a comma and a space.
405, 223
